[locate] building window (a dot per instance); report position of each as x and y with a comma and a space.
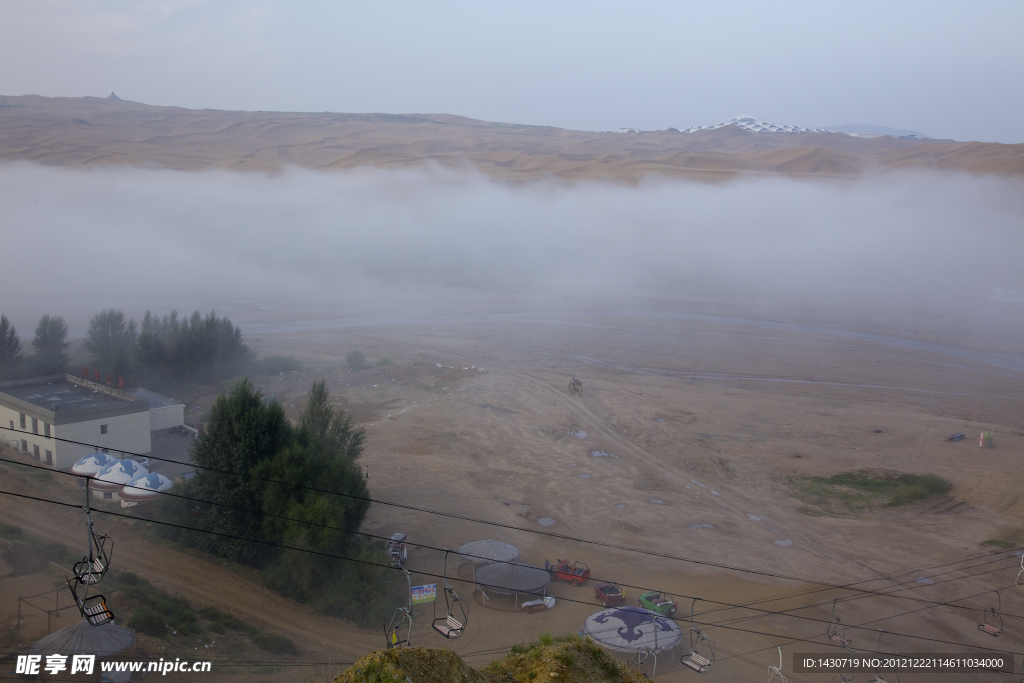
24, 446
22, 417
103, 429
46, 429
35, 451
35, 426
49, 457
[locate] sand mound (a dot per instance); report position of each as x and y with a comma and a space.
572, 660
91, 131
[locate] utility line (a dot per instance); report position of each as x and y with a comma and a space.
439, 576
598, 580
489, 523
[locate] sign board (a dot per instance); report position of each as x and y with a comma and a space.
422, 594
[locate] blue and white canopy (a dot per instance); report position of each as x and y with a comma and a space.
91, 464
145, 487
116, 474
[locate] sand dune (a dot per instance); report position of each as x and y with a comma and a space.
92, 131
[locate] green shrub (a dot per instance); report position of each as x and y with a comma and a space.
149, 622
356, 360
277, 644
383, 360
172, 610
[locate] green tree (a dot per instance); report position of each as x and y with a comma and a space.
51, 345
10, 349
322, 422
172, 350
244, 430
112, 340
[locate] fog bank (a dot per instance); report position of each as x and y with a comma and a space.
920, 244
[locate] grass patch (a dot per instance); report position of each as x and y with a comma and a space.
275, 643
871, 488
996, 543
222, 621
10, 532
153, 608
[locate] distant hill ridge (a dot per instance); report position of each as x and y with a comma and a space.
93, 131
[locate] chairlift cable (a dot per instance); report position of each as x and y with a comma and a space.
505, 526
383, 566
726, 606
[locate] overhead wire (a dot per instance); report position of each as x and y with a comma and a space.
429, 574
485, 522
727, 606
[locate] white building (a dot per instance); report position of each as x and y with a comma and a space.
35, 412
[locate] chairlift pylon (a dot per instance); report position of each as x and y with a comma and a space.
402, 616
775, 672
453, 624
836, 630
878, 678
996, 613
695, 660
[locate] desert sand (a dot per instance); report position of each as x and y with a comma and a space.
92, 131
698, 424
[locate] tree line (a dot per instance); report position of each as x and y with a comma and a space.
162, 352
258, 461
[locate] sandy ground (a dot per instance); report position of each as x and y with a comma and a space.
91, 131
702, 421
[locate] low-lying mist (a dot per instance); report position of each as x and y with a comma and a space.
916, 244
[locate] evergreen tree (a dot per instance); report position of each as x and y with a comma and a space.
10, 349
112, 340
51, 346
243, 431
321, 420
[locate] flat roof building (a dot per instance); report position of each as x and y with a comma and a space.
39, 410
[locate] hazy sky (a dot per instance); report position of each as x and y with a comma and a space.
948, 69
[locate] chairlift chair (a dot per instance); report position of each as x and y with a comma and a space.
878, 678
1020, 574
836, 629
775, 672
698, 641
93, 567
996, 613
453, 624
93, 608
402, 616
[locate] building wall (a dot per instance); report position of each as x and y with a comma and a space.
11, 419
165, 418
125, 433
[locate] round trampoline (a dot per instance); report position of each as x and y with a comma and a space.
511, 580
627, 629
